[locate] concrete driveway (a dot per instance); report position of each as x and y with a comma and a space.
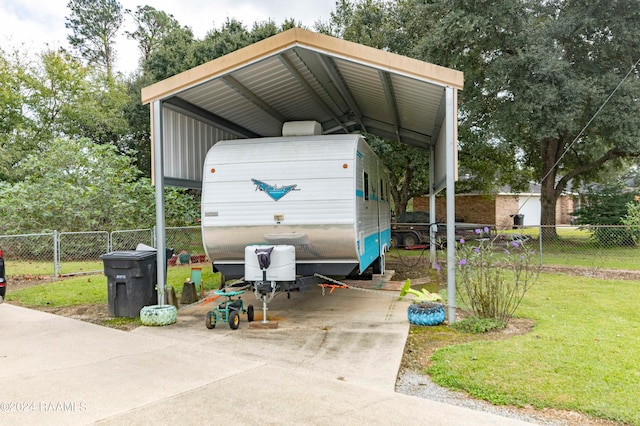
332, 359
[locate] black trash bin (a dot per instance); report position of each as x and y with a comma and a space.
131, 279
518, 220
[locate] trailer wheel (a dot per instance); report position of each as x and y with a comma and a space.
234, 320
250, 313
210, 320
158, 315
395, 241
411, 240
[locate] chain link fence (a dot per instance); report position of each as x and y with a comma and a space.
129, 239
589, 247
185, 241
79, 252
70, 253
36, 251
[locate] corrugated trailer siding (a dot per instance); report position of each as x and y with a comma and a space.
286, 149
317, 216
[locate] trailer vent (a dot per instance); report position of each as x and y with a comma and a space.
301, 128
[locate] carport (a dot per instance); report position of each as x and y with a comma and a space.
301, 75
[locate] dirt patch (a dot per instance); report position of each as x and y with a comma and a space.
95, 314
24, 281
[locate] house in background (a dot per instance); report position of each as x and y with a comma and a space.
499, 209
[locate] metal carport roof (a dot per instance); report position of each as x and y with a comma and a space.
302, 75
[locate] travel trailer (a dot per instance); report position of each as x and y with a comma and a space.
276, 210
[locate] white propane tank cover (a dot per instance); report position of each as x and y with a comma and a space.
301, 128
281, 268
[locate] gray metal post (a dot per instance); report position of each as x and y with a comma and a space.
450, 115
158, 174
540, 242
432, 205
56, 263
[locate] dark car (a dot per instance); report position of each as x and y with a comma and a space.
411, 229
3, 282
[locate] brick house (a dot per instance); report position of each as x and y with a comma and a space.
498, 209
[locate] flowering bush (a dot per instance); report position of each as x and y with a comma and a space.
495, 275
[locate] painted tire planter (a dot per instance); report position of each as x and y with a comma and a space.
426, 313
158, 315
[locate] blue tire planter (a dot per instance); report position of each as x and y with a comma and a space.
426, 313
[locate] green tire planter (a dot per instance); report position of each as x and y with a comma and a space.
158, 315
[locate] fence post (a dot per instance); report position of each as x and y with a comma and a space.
56, 263
540, 241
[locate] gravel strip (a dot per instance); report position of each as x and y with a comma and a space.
411, 383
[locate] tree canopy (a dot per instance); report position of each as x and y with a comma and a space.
537, 75
94, 26
551, 87
82, 186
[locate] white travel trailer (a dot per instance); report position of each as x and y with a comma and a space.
321, 201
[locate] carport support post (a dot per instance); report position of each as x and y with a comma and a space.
450, 114
432, 207
158, 173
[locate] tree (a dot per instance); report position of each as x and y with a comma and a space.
94, 26
369, 22
153, 26
607, 205
13, 122
409, 167
232, 36
76, 185
173, 55
138, 139
536, 73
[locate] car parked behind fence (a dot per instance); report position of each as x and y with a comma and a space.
411, 229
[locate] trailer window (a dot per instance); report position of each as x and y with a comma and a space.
366, 186
381, 190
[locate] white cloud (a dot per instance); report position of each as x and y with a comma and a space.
38, 24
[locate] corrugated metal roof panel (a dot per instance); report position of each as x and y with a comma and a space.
300, 75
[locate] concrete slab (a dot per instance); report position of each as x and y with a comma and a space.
357, 336
334, 359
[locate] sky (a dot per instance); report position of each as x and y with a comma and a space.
36, 25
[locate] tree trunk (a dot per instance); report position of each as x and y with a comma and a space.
549, 149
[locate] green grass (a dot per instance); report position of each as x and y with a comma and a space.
27, 267
591, 257
583, 354
92, 289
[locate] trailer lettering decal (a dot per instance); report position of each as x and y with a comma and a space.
274, 191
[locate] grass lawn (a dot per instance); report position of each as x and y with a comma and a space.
583, 354
92, 289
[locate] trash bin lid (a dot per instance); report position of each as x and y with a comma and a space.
129, 255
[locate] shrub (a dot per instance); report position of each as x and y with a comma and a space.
606, 207
495, 275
